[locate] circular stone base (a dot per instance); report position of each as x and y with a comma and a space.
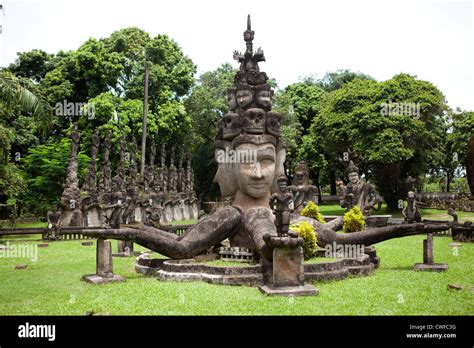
190, 270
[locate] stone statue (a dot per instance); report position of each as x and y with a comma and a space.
116, 206
132, 174
181, 186
302, 190
71, 195
105, 184
357, 192
411, 212
128, 215
54, 220
118, 182
163, 170
90, 181
282, 203
150, 179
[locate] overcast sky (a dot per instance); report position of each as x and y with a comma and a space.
431, 39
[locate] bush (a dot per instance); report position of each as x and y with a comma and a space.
305, 230
354, 220
312, 211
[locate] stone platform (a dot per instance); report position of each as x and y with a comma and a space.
251, 275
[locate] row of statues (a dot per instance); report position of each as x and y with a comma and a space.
163, 194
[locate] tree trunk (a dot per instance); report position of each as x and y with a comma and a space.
389, 184
332, 182
449, 178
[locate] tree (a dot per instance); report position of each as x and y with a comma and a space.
207, 102
336, 79
18, 94
45, 169
390, 143
33, 65
462, 139
300, 104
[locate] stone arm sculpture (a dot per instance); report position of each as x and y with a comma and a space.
205, 234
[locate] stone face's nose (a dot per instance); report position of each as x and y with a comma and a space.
257, 171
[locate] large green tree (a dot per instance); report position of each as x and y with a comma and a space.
389, 143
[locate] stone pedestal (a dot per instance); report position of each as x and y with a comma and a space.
428, 258
104, 265
288, 269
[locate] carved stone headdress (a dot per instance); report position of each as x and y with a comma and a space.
250, 119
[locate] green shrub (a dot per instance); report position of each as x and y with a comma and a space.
354, 220
305, 230
312, 211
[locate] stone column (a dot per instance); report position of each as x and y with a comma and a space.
104, 265
428, 258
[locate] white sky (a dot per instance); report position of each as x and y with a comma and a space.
430, 39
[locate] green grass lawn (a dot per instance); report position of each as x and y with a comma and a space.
52, 286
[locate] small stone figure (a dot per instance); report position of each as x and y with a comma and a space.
357, 192
54, 219
282, 202
303, 191
411, 212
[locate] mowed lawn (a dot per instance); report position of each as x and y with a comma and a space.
52, 286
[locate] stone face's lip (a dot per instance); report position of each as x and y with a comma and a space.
258, 186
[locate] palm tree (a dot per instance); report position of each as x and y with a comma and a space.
24, 94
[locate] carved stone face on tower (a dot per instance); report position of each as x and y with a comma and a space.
230, 125
264, 99
255, 179
273, 123
244, 98
253, 121
231, 99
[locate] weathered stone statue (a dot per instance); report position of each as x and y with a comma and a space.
71, 195
105, 183
132, 174
181, 186
150, 170
119, 181
116, 206
357, 192
189, 174
173, 175
411, 212
302, 190
282, 203
54, 218
163, 170
90, 181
